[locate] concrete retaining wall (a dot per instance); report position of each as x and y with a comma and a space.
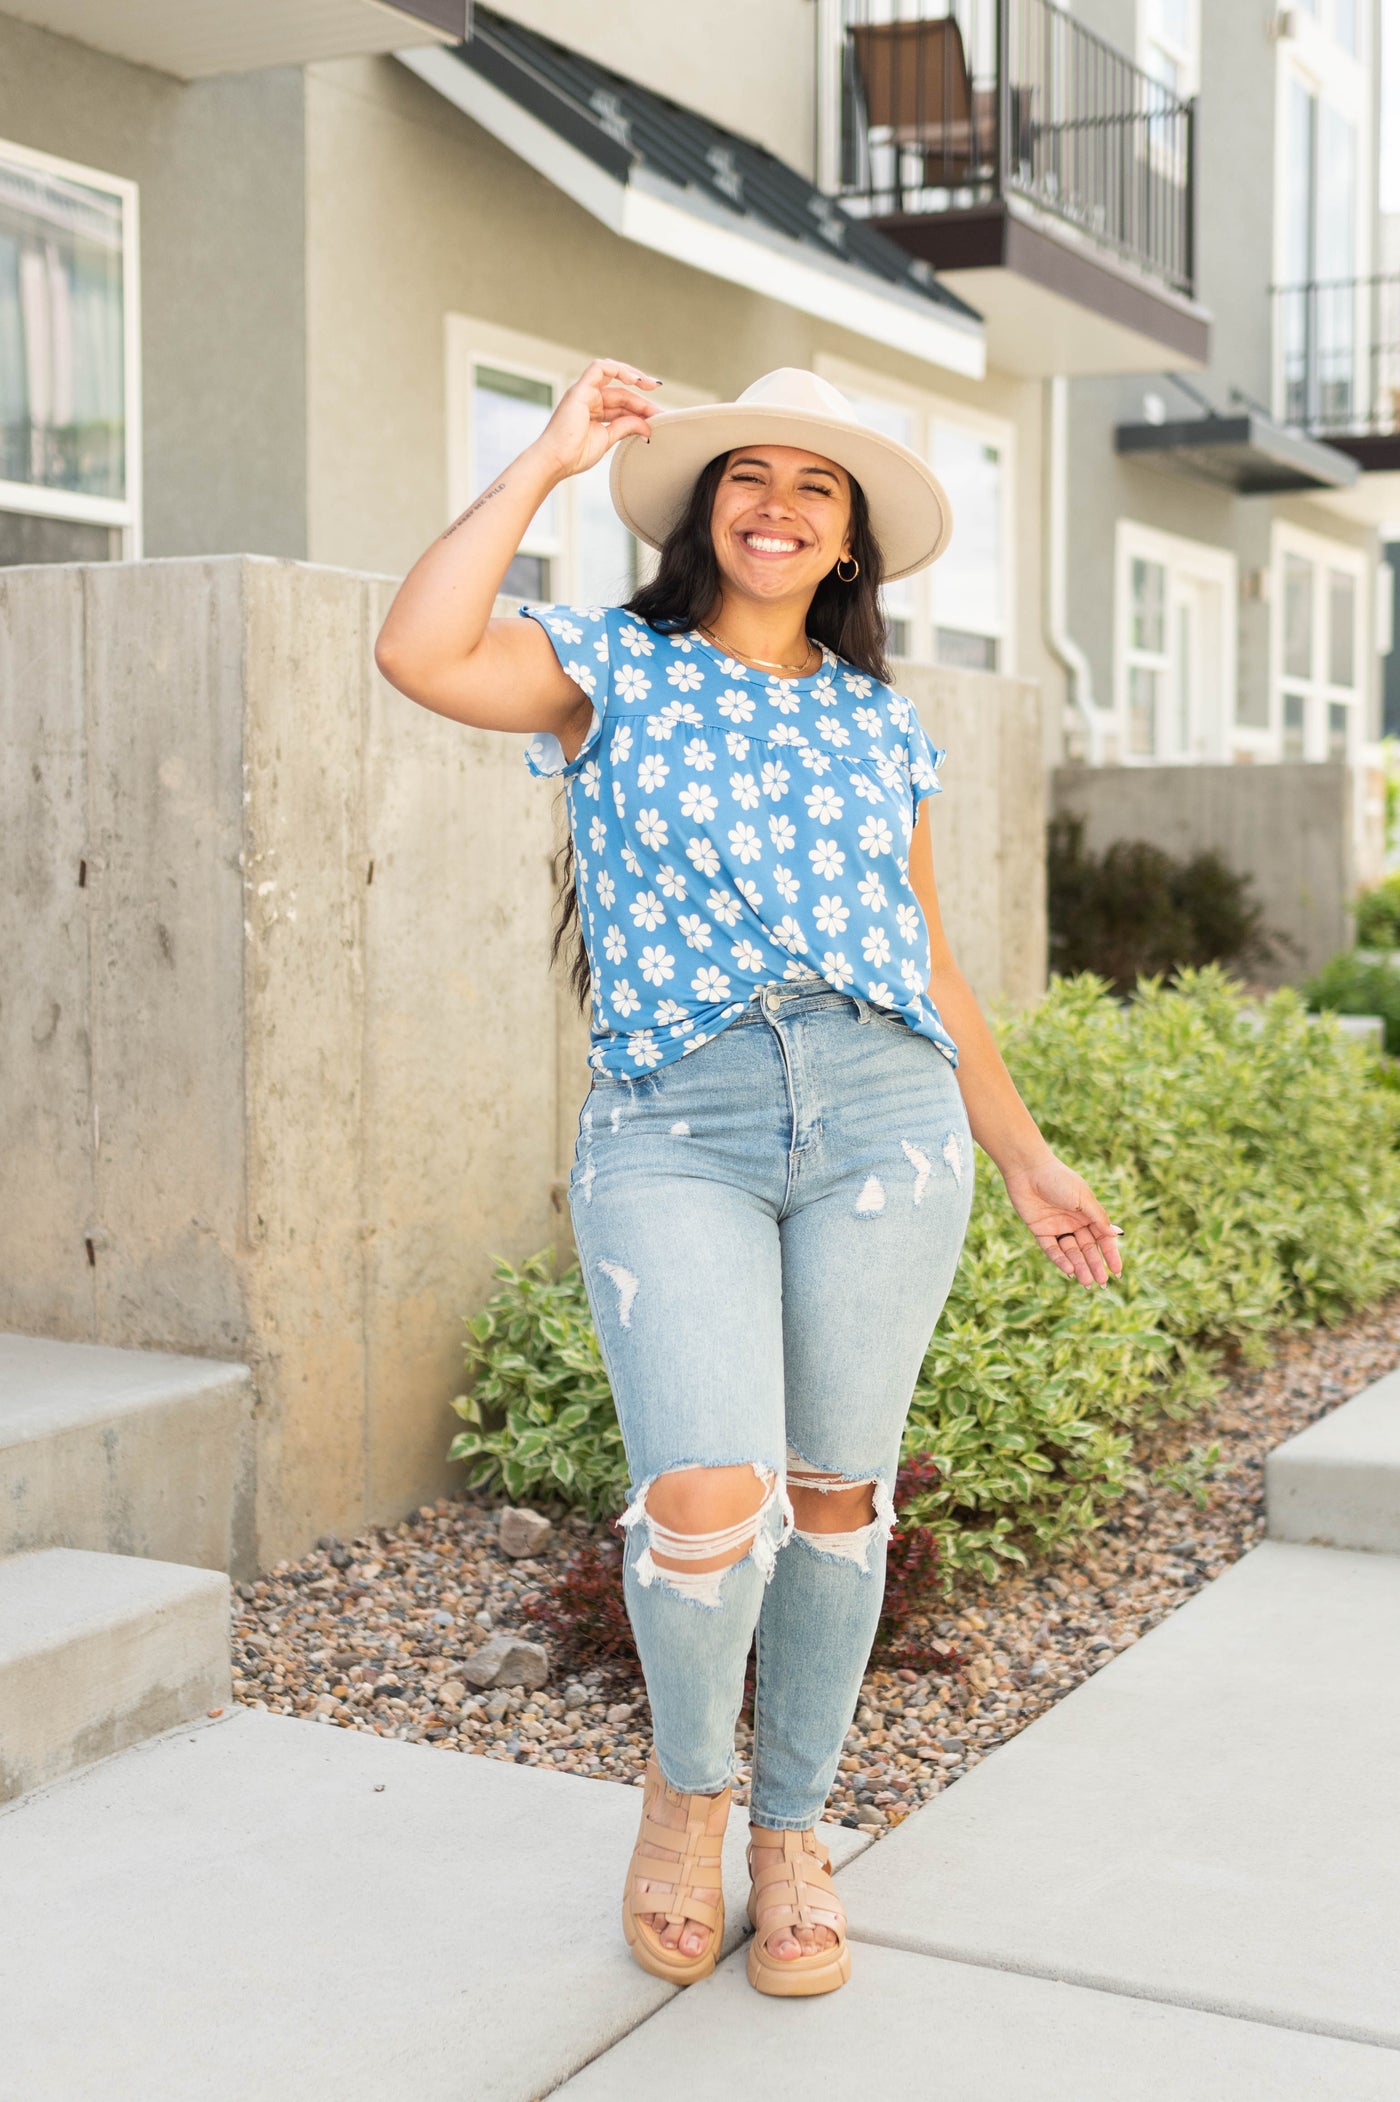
1306, 836
285, 1065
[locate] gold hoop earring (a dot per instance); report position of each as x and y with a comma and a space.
855, 569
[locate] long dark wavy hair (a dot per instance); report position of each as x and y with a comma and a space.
846, 617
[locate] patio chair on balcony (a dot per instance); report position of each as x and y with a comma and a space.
918, 93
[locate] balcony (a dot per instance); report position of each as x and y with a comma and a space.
1048, 180
1337, 377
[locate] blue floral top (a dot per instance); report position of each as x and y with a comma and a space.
730, 829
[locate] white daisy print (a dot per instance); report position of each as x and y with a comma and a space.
824, 806
690, 782
698, 802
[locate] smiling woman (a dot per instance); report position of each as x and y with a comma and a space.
774, 1165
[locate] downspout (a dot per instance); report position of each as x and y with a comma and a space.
1063, 647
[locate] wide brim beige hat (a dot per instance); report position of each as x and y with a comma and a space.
909, 510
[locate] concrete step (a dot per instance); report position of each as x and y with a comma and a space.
964, 2034
1337, 1484
270, 1906
1212, 1819
132, 1452
98, 1651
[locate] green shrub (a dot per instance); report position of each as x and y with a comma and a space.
1349, 985
1253, 1165
1135, 911
1378, 915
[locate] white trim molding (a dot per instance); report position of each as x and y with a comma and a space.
1195, 658
37, 500
670, 222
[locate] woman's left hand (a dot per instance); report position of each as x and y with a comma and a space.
1067, 1219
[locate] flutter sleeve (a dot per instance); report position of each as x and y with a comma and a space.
925, 758
579, 635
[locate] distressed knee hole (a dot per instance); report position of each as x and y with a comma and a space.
705, 1522
825, 1503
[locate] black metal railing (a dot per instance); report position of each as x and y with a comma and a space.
952, 103
1337, 355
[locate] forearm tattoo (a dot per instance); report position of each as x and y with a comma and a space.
472, 509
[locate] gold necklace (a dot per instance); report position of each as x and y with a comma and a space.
763, 663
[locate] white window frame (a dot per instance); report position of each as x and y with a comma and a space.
1187, 56
1325, 69
1324, 555
1194, 562
929, 409
470, 342
124, 514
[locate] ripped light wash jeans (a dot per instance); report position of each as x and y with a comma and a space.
768, 1229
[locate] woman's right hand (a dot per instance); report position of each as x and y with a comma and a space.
606, 402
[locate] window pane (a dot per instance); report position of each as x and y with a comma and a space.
528, 577
1142, 711
1149, 590
1297, 617
508, 413
604, 550
897, 637
1294, 711
1341, 628
62, 420
1349, 26
967, 579
1338, 718
965, 652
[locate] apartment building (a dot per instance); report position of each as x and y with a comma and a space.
293, 279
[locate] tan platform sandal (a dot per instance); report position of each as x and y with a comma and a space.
792, 1887
679, 1860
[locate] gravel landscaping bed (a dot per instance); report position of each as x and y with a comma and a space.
375, 1633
